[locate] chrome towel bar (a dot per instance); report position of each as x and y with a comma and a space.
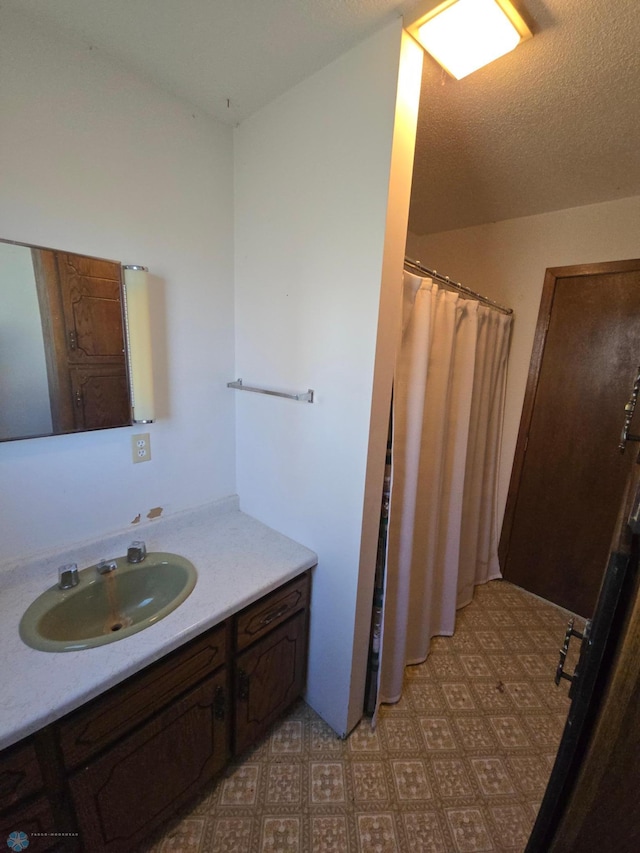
303, 397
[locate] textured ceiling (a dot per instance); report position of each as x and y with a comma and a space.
554, 124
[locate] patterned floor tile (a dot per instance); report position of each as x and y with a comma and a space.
458, 765
476, 666
424, 833
452, 778
437, 733
377, 833
411, 780
233, 835
280, 835
323, 738
329, 835
458, 697
442, 666
492, 777
524, 695
287, 738
327, 783
284, 783
469, 830
241, 789
531, 773
369, 781
513, 826
425, 697
398, 734
185, 837
364, 738
475, 733
510, 732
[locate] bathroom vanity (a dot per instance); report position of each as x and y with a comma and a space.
110, 770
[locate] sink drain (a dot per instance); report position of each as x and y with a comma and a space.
116, 622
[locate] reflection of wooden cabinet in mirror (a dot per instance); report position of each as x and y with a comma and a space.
81, 309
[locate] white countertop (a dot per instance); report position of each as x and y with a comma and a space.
238, 560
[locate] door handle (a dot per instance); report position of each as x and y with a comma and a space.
570, 632
629, 409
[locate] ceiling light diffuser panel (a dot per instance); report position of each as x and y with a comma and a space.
464, 35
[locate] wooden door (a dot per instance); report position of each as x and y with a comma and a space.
568, 475
602, 812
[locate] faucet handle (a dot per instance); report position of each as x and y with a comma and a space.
136, 552
68, 576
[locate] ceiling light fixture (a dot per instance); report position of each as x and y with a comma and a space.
464, 35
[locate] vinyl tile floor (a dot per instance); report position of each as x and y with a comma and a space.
459, 765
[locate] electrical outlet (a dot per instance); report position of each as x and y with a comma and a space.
141, 447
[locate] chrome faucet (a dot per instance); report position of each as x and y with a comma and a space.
136, 552
68, 576
106, 566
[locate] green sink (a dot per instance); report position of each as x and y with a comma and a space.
104, 608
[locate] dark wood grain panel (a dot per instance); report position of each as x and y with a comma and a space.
269, 676
20, 774
36, 819
126, 793
568, 475
258, 619
113, 714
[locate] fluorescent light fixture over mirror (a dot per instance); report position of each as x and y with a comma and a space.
464, 35
138, 326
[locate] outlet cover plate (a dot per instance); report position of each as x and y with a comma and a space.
141, 447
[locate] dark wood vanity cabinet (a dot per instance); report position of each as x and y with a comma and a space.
148, 745
270, 664
24, 805
126, 792
111, 772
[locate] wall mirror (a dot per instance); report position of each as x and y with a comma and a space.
63, 365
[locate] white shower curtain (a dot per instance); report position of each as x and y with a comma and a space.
447, 419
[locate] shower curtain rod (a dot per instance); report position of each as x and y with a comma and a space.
416, 265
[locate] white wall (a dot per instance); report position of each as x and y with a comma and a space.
312, 183
96, 161
507, 261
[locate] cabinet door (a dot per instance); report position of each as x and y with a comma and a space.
36, 820
100, 396
114, 715
20, 774
132, 788
81, 305
269, 677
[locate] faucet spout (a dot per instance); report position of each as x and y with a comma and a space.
106, 566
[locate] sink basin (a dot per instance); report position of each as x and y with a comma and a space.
105, 608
